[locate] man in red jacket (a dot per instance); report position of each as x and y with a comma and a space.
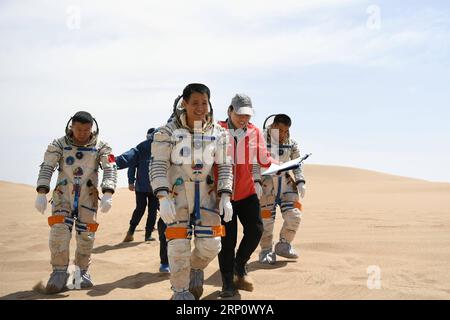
247, 147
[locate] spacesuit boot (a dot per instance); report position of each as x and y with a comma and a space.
182, 295
196, 283
267, 257
57, 281
86, 280
284, 249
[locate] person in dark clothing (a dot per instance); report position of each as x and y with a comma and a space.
248, 147
249, 214
137, 161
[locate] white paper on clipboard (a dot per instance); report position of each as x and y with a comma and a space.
275, 168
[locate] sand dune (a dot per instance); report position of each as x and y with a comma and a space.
353, 219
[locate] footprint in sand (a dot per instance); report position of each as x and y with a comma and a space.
316, 279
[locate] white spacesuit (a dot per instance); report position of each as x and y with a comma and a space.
190, 170
283, 191
74, 201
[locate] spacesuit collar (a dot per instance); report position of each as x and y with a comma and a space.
183, 121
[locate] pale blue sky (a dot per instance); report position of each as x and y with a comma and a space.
363, 92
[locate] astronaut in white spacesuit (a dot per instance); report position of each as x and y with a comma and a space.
191, 174
77, 156
283, 190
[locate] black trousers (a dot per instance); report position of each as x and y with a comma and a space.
249, 213
141, 204
153, 206
162, 242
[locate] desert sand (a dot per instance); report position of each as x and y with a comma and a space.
353, 219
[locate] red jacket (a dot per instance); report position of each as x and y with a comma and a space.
247, 151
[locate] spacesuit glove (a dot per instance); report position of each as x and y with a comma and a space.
301, 189
106, 202
167, 210
41, 203
225, 207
